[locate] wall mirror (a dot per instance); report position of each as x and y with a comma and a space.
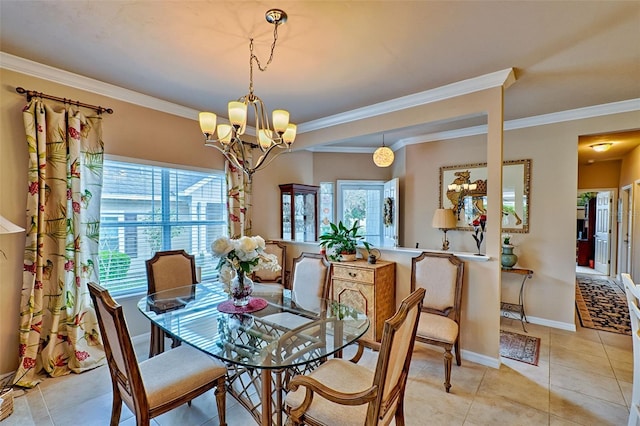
464, 189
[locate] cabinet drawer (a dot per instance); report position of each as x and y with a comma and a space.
354, 274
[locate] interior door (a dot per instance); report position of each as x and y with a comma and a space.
391, 200
603, 232
624, 263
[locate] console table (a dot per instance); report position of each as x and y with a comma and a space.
513, 310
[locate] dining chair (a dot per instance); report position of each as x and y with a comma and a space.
167, 270
159, 384
633, 300
310, 278
441, 275
267, 276
342, 392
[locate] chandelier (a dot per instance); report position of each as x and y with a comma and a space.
226, 138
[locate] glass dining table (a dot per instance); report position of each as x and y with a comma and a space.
262, 349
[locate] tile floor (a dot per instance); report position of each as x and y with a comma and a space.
583, 378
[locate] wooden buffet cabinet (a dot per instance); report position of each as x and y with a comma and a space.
370, 288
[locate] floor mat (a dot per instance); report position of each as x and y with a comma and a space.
519, 347
602, 304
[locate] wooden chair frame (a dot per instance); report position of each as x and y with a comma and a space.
256, 276
379, 409
452, 312
156, 344
130, 381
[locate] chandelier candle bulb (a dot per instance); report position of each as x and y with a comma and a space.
224, 133
265, 137
290, 134
237, 113
208, 123
280, 120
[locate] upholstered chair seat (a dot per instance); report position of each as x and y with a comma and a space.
167, 377
341, 376
436, 327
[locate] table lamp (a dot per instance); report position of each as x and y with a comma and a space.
7, 227
444, 219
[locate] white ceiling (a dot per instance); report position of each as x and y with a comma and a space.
336, 56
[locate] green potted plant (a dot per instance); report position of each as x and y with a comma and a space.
343, 241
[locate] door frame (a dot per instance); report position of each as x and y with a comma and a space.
613, 239
624, 220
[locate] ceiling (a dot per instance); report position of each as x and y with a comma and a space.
336, 56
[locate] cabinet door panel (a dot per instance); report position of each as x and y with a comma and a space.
360, 297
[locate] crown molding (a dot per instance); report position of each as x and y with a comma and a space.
56, 75
504, 77
342, 149
629, 105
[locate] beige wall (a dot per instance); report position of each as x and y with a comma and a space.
132, 131
602, 174
549, 248
630, 168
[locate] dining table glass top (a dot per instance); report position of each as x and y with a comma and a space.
281, 335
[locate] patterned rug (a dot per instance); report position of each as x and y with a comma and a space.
602, 304
519, 347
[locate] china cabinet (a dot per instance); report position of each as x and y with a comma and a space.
299, 212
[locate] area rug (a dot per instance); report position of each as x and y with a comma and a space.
519, 347
602, 304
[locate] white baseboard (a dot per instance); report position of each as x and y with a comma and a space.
553, 324
480, 359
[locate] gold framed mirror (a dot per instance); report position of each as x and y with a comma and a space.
463, 188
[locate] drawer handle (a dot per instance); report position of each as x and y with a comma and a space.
353, 274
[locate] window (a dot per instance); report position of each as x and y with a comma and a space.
145, 209
362, 201
326, 206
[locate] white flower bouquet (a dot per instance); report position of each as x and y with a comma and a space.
242, 256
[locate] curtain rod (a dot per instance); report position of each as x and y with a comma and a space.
32, 93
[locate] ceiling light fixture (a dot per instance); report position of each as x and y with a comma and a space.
602, 147
383, 156
228, 141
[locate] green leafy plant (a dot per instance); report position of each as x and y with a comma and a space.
342, 240
113, 265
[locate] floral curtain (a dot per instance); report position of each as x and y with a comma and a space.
58, 325
238, 200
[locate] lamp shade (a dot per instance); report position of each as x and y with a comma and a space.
601, 147
383, 157
290, 134
8, 227
224, 133
444, 219
238, 113
280, 120
208, 123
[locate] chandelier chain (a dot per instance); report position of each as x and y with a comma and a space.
253, 56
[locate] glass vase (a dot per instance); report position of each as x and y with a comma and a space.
241, 288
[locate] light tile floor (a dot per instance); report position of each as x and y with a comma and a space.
583, 378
